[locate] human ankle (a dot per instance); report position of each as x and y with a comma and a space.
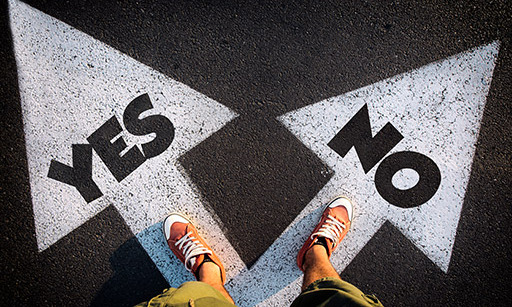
315, 254
209, 272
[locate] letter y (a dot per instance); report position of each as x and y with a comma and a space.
80, 175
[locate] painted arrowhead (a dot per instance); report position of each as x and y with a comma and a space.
70, 84
438, 109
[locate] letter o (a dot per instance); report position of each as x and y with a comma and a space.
430, 179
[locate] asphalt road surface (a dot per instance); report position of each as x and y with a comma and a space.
259, 112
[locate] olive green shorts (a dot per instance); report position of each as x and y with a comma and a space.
323, 292
192, 293
334, 292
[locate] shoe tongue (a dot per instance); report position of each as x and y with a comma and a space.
178, 230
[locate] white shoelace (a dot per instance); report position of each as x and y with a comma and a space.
332, 230
191, 248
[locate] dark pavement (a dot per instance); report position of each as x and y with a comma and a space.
263, 60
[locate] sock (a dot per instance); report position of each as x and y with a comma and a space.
207, 259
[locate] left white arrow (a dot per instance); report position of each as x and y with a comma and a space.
70, 85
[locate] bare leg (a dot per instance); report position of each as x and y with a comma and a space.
317, 265
209, 273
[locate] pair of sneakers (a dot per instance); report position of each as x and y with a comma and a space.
186, 243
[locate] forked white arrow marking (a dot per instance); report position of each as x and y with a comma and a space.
70, 84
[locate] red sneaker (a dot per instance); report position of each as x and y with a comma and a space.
333, 226
187, 245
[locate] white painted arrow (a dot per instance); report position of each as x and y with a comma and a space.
438, 109
70, 84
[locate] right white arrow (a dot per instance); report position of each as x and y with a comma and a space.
432, 117
437, 110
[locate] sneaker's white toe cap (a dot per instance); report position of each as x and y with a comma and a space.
171, 219
345, 202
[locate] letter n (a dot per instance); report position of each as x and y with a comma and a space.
358, 133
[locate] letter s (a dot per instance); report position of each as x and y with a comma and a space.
158, 124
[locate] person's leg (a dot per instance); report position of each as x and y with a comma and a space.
327, 235
186, 243
210, 273
317, 266
322, 286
